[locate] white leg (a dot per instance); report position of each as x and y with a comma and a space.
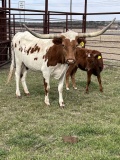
23, 80
17, 74
60, 90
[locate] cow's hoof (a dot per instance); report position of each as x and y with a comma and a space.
75, 88
47, 103
67, 89
62, 105
19, 97
87, 92
27, 94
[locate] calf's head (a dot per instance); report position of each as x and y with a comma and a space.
94, 61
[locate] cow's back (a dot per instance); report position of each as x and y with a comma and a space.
30, 50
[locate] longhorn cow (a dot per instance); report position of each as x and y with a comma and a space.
49, 53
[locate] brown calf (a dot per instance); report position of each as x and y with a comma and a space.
87, 60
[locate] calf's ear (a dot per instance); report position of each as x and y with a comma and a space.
97, 54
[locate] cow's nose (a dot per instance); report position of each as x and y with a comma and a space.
70, 61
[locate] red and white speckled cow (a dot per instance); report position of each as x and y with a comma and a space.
49, 53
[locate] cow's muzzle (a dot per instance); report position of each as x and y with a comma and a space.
70, 61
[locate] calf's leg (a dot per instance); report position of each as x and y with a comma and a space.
67, 79
88, 80
100, 84
73, 77
71, 72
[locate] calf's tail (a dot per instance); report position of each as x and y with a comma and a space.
12, 66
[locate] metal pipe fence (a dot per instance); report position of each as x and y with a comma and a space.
58, 22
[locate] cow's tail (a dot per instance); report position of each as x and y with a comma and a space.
12, 66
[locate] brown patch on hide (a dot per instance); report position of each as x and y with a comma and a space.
28, 50
36, 48
55, 55
36, 58
21, 49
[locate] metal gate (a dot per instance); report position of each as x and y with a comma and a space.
4, 34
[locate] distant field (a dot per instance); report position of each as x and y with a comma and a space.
29, 130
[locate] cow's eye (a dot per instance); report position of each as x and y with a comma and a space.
77, 45
64, 46
74, 47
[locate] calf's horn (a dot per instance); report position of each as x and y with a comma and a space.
94, 34
43, 36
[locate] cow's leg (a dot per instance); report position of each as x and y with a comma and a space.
100, 84
17, 75
47, 87
73, 78
60, 90
88, 80
23, 79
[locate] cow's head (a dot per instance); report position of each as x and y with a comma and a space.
68, 48
94, 61
63, 49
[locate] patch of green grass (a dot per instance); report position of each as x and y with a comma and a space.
30, 130
3, 153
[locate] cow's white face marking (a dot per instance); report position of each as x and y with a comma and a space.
70, 35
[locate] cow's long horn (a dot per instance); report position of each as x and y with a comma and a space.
94, 34
43, 36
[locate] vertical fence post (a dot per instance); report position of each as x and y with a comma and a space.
48, 22
66, 22
84, 19
46, 17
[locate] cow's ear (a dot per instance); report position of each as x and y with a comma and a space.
81, 41
58, 41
